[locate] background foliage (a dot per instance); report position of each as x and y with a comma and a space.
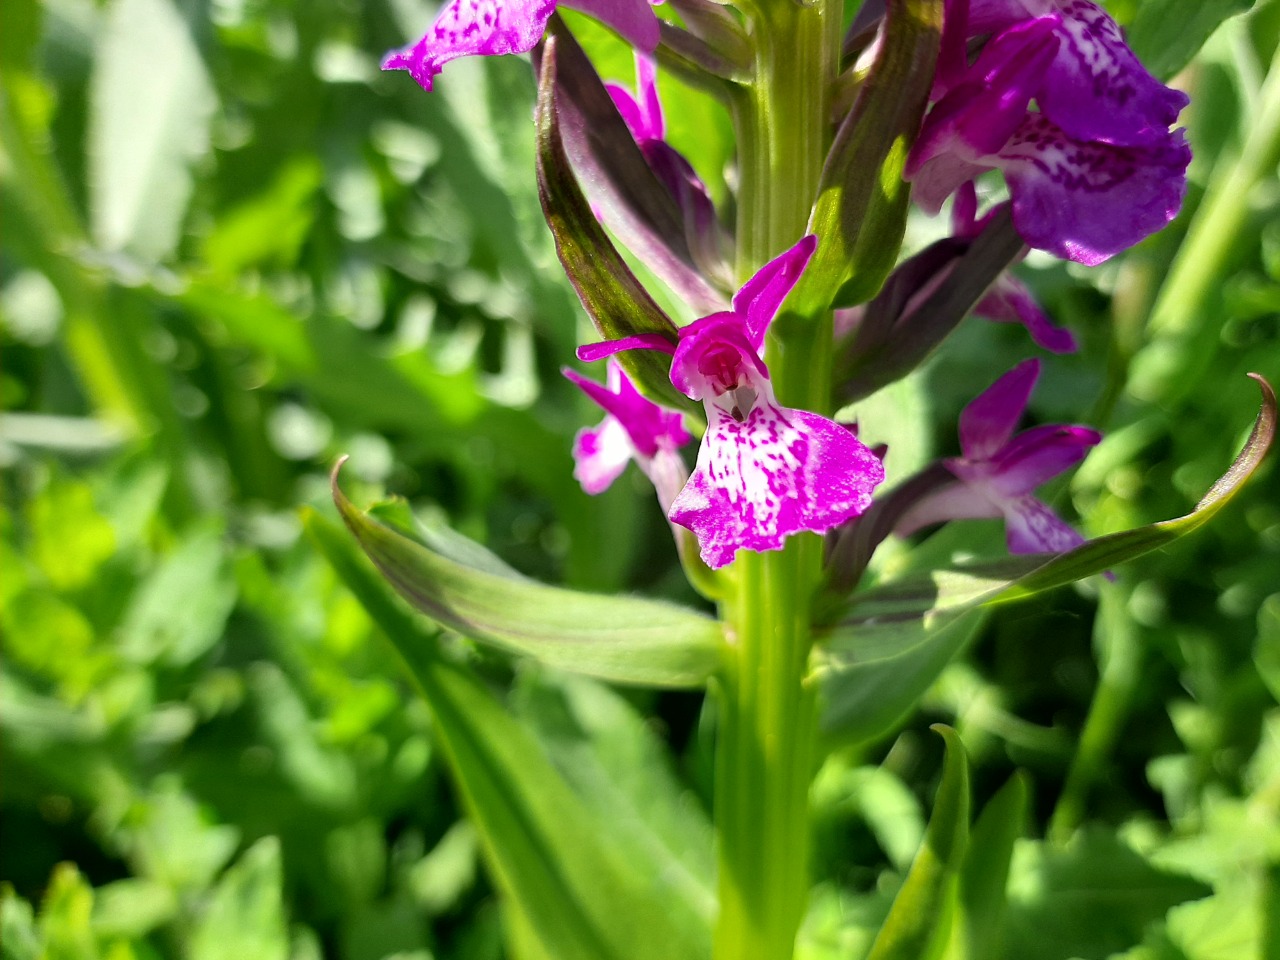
232, 250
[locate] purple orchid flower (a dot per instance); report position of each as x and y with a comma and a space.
998, 471
486, 28
642, 113
634, 428
1083, 191
764, 471
1009, 300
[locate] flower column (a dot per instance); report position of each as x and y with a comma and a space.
767, 714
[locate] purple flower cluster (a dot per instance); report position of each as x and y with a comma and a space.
1047, 92
1093, 168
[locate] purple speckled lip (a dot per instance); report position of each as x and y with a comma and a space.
764, 471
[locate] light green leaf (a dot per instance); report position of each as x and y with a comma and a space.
245, 916
547, 851
920, 916
1166, 34
881, 658
151, 104
625, 639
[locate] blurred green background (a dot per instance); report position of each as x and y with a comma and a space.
232, 250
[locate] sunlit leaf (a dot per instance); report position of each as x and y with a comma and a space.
546, 849
626, 639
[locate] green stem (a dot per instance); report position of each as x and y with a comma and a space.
1120, 651
767, 722
1182, 325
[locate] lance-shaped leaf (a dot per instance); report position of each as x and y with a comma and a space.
628, 195
876, 663
923, 301
548, 853
1166, 34
624, 639
861, 211
984, 875
921, 913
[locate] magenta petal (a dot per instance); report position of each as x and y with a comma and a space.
591, 352
1031, 527
775, 473
1097, 90
1038, 455
955, 501
649, 426
633, 20
761, 296
642, 111
1010, 301
600, 455
988, 422
1088, 201
470, 28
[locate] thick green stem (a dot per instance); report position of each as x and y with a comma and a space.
767, 722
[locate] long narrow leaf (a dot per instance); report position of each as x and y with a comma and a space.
895, 640
546, 850
625, 639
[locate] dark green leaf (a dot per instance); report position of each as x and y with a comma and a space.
625, 639
985, 873
1091, 899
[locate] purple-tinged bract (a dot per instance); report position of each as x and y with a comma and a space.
485, 28
998, 472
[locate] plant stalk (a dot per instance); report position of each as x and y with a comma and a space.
765, 752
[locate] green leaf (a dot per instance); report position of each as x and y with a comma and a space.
1166, 34
861, 212
614, 299
548, 852
624, 639
151, 105
1090, 899
245, 916
895, 640
920, 915
985, 873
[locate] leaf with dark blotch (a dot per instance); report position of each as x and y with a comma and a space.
630, 198
894, 641
624, 639
861, 210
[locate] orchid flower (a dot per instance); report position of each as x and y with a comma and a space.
1082, 190
998, 471
642, 113
634, 428
487, 28
764, 471
1009, 300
